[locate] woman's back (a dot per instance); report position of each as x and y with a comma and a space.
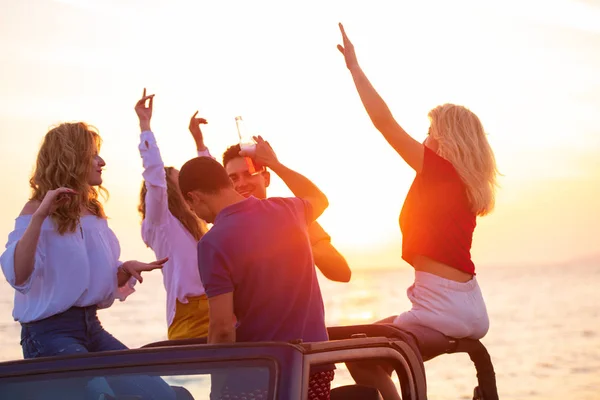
436, 219
181, 276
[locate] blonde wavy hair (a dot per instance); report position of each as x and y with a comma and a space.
65, 160
177, 207
463, 142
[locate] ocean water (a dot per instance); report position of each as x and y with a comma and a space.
544, 337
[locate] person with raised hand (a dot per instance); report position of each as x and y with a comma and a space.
196, 132
62, 258
327, 258
256, 263
172, 230
455, 183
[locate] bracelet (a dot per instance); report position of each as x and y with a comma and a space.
121, 269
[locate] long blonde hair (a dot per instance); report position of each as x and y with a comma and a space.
65, 160
177, 207
463, 142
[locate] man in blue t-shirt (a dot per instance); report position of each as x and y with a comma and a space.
256, 262
252, 180
257, 266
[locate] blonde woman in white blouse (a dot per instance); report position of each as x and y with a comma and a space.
172, 230
62, 259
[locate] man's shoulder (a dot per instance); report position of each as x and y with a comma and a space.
221, 234
213, 246
210, 238
284, 201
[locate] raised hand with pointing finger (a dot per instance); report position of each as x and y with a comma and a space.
143, 109
455, 152
170, 229
197, 132
347, 49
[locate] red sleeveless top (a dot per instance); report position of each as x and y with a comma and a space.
436, 219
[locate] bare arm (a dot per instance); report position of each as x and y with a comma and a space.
221, 329
221, 319
407, 147
196, 132
301, 186
329, 261
214, 273
198, 136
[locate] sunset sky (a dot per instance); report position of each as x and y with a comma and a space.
529, 69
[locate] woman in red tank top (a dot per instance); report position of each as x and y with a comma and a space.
454, 184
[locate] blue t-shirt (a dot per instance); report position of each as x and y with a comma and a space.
260, 251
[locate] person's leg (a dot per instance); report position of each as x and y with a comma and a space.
59, 334
149, 387
388, 320
62, 334
101, 340
481, 321
376, 375
319, 385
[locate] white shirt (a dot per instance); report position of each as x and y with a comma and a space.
74, 269
165, 234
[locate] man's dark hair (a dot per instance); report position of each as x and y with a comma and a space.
231, 153
203, 174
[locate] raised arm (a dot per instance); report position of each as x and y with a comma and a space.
407, 147
24, 252
301, 186
198, 136
155, 179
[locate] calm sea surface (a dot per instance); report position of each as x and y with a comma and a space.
544, 337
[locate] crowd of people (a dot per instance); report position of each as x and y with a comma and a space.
252, 276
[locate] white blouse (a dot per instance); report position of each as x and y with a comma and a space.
74, 269
165, 234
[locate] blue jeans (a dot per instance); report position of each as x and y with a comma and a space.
78, 330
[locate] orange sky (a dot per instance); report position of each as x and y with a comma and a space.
529, 72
